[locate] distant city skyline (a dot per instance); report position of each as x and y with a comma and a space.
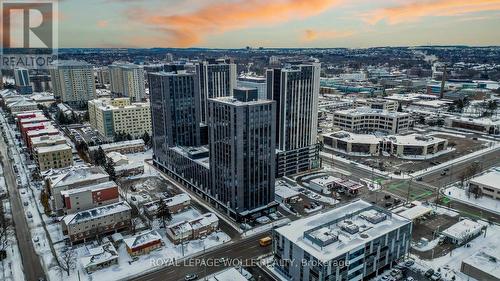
278, 23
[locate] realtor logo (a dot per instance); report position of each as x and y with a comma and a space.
29, 34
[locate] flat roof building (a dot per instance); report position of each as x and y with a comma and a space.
352, 242
365, 119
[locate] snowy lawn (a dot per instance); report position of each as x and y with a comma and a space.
485, 203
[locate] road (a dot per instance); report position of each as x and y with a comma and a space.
244, 251
33, 269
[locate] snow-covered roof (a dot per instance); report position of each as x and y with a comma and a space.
362, 111
97, 213
485, 121
463, 229
118, 145
490, 179
231, 274
283, 191
415, 212
325, 180
78, 174
142, 239
52, 148
323, 236
204, 220
116, 157
94, 187
414, 139
433, 103
486, 260
99, 255
179, 199
47, 139
354, 138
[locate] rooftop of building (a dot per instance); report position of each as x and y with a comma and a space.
47, 139
414, 139
97, 213
92, 187
99, 255
52, 148
476, 120
355, 138
77, 174
327, 235
491, 178
117, 145
236, 102
142, 239
486, 260
361, 111
462, 229
67, 63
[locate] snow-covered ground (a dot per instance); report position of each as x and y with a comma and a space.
451, 263
460, 194
126, 267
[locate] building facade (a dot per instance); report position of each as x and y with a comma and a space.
127, 80
295, 89
175, 105
112, 116
88, 197
242, 145
217, 79
365, 119
73, 82
356, 241
22, 80
53, 157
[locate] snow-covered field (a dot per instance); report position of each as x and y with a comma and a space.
485, 203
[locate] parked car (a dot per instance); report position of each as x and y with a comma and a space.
436, 276
409, 263
191, 277
29, 215
429, 273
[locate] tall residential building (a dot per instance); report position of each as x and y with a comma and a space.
112, 116
242, 145
253, 81
174, 101
127, 80
73, 82
103, 76
217, 79
22, 79
295, 88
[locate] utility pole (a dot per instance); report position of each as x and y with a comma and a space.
409, 189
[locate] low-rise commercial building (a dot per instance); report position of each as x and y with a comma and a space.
381, 104
483, 265
112, 116
96, 222
53, 157
487, 184
413, 146
124, 147
72, 178
91, 196
463, 231
356, 241
489, 126
364, 119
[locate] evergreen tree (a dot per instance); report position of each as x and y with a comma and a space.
163, 212
146, 138
110, 169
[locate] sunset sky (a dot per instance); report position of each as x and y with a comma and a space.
277, 23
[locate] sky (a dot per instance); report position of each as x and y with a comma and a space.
277, 23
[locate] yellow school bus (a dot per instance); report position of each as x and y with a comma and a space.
265, 241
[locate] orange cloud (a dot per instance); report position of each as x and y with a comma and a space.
416, 10
310, 35
191, 28
102, 23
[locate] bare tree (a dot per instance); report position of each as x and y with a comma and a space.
5, 228
67, 261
